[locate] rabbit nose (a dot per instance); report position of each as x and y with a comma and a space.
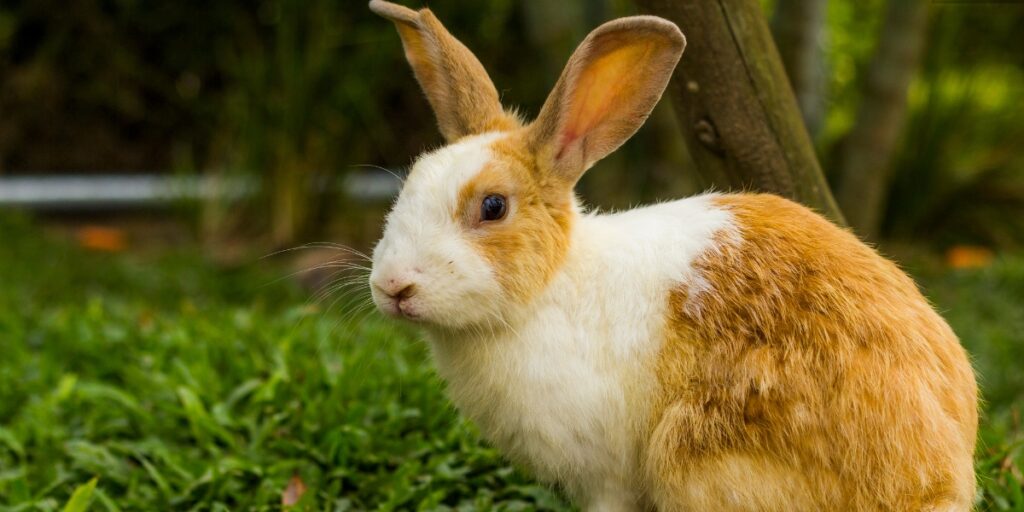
406, 292
397, 289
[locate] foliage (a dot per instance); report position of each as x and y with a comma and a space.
960, 175
297, 93
101, 86
848, 49
183, 387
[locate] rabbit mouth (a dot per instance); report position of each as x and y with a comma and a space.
407, 312
401, 308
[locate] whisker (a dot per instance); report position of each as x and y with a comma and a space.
400, 179
349, 319
352, 287
340, 264
318, 245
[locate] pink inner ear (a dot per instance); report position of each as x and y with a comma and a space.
567, 139
602, 90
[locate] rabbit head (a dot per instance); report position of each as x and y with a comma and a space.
482, 224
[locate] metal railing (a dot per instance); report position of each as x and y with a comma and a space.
114, 191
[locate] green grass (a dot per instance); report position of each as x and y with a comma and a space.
180, 386
186, 388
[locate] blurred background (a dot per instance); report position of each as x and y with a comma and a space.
152, 152
287, 106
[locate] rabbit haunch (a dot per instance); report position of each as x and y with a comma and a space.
815, 364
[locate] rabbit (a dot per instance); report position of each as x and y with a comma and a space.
720, 352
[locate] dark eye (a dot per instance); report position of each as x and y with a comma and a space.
493, 207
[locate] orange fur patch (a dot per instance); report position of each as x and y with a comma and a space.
529, 244
463, 97
814, 367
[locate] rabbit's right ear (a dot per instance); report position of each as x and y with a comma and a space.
608, 88
462, 95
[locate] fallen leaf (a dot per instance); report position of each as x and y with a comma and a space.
99, 238
969, 256
294, 491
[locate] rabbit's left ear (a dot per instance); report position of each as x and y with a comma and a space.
607, 90
462, 95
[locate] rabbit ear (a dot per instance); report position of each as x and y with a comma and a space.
607, 90
462, 95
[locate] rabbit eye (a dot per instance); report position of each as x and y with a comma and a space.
493, 207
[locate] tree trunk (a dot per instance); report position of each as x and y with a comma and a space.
798, 27
735, 105
865, 154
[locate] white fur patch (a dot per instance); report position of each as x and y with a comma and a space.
566, 389
424, 245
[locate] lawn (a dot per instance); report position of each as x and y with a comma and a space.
178, 385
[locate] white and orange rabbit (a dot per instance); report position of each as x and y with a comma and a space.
722, 352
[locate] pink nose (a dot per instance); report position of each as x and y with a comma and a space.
396, 289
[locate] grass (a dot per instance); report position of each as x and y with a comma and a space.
180, 386
186, 388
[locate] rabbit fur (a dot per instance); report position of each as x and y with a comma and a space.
720, 352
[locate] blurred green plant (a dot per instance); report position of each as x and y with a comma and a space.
186, 387
958, 174
107, 86
847, 49
280, 118
959, 177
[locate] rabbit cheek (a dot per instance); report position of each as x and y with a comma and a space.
525, 253
526, 247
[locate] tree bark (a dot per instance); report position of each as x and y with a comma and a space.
735, 105
798, 27
864, 156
